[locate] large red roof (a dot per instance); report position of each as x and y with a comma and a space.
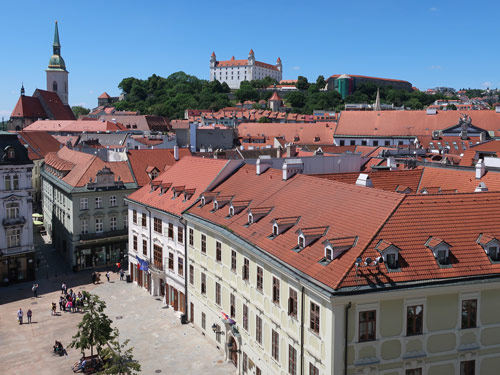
39, 144
300, 133
28, 106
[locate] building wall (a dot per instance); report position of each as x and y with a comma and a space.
234, 75
346, 140
61, 78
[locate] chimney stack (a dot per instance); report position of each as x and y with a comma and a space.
292, 167
263, 164
364, 180
480, 169
176, 152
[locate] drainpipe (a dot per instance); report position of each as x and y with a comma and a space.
150, 244
302, 333
184, 318
348, 306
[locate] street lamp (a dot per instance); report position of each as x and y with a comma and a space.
214, 328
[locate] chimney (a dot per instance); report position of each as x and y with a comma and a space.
480, 169
391, 163
176, 152
278, 152
364, 180
263, 164
481, 188
482, 137
292, 167
290, 150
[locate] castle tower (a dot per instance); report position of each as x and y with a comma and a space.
213, 60
279, 65
57, 75
251, 57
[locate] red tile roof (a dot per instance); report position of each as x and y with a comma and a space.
300, 133
74, 126
140, 160
275, 96
191, 173
39, 144
469, 156
55, 109
28, 106
464, 181
104, 95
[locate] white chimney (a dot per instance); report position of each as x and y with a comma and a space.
481, 188
292, 167
176, 152
480, 169
364, 180
263, 164
391, 163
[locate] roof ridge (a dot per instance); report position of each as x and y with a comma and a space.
362, 250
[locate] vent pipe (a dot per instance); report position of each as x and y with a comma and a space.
480, 169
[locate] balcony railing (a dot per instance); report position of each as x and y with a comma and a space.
19, 220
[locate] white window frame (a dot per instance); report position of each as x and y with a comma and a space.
125, 221
13, 237
84, 226
98, 202
84, 203
99, 223
113, 201
113, 223
12, 210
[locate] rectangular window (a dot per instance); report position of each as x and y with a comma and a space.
98, 225
468, 367
143, 220
125, 221
258, 329
233, 260
13, 237
260, 278
217, 294
191, 274
367, 325
203, 244
135, 243
8, 184
218, 251
292, 360
112, 201
157, 225
191, 237
342, 142
313, 370
375, 143
414, 371
245, 317
469, 313
292, 303
276, 290
84, 203
112, 223
98, 202
144, 247
134, 216
275, 345
414, 320
171, 261
217, 335
203, 321
15, 182
180, 234
180, 266
171, 231
232, 301
158, 256
84, 226
246, 269
314, 321
245, 363
203, 283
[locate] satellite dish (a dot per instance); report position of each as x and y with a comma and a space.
359, 260
380, 260
368, 261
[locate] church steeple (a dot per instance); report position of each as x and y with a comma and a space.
22, 89
57, 75
56, 46
56, 61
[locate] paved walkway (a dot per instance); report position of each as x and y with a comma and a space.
161, 344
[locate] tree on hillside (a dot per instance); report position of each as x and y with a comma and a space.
95, 328
302, 83
320, 82
117, 359
246, 92
79, 110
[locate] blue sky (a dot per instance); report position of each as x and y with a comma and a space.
429, 43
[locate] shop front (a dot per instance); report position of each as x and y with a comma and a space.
90, 254
17, 267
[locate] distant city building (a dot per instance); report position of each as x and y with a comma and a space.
233, 71
346, 84
17, 255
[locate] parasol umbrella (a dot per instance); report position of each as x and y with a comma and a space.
37, 222
37, 215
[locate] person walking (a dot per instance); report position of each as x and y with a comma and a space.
53, 311
63, 288
29, 314
107, 275
20, 316
35, 290
122, 273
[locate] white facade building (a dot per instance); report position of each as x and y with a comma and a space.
233, 71
16, 234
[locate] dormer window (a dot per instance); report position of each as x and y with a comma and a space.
282, 224
307, 236
275, 230
207, 197
255, 214
11, 154
335, 247
440, 249
231, 211
188, 193
154, 185
490, 245
237, 206
164, 187
250, 218
302, 242
328, 253
389, 253
221, 201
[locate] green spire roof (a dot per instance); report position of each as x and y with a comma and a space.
56, 37
56, 62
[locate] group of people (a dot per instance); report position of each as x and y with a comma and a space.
59, 348
69, 300
20, 314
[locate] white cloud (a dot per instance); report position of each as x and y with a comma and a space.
295, 67
487, 84
433, 9
436, 67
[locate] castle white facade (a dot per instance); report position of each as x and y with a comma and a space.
233, 71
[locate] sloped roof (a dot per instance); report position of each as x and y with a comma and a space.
39, 144
468, 157
347, 210
191, 172
140, 160
139, 122
306, 132
53, 105
464, 181
83, 166
73, 126
28, 106
410, 123
335, 76
104, 95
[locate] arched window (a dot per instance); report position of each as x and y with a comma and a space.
54, 86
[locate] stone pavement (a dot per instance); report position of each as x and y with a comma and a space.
161, 344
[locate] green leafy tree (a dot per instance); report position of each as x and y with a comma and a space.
297, 99
95, 328
79, 110
320, 82
302, 83
117, 359
246, 92
264, 119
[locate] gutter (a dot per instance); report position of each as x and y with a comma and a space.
184, 317
348, 306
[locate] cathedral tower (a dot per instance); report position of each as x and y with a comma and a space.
57, 75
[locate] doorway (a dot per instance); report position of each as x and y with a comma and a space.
232, 347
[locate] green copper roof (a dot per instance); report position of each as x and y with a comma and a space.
56, 62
